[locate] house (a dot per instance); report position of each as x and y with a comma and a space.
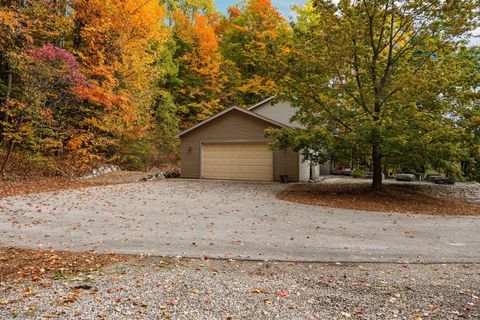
232, 145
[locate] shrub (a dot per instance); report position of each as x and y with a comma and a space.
358, 173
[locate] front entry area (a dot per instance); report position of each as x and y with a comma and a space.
237, 161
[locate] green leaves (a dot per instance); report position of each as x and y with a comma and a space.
256, 40
372, 73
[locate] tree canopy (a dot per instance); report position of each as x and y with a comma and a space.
375, 80
389, 82
256, 38
147, 69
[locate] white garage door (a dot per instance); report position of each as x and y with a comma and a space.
237, 161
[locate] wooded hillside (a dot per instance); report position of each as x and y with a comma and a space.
87, 81
394, 84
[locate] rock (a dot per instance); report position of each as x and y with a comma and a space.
405, 177
99, 171
343, 172
432, 177
438, 179
443, 180
162, 175
172, 174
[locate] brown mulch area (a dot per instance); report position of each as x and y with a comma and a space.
19, 264
395, 199
30, 186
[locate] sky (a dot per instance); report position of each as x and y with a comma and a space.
284, 7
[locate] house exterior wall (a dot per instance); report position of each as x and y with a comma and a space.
234, 126
281, 112
325, 168
285, 162
315, 172
304, 168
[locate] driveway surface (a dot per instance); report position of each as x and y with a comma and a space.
217, 219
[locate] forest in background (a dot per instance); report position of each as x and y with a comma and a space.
84, 82
89, 82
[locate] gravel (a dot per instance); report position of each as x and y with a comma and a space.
156, 288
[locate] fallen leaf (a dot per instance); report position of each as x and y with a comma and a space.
282, 293
260, 291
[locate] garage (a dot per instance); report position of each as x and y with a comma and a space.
233, 145
237, 161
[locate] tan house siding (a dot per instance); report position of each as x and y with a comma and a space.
281, 111
285, 162
234, 126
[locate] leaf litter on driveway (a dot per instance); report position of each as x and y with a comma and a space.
159, 288
227, 220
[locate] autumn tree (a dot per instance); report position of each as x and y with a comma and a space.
45, 121
116, 42
373, 77
201, 81
255, 37
23, 24
189, 8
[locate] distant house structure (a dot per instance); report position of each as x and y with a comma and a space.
232, 145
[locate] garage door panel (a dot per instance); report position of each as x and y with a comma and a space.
228, 161
230, 176
238, 161
227, 154
244, 171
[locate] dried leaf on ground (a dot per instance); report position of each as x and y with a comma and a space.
34, 264
395, 199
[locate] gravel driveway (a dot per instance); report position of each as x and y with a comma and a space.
197, 218
216, 289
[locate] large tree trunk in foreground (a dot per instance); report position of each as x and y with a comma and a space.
377, 167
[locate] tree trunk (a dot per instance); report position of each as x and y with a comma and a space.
10, 148
7, 157
77, 35
9, 84
377, 166
4, 115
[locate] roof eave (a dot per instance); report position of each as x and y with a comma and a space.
260, 103
179, 135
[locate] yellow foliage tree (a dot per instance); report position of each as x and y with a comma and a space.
202, 79
116, 41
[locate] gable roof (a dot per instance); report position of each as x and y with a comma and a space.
261, 103
218, 115
280, 111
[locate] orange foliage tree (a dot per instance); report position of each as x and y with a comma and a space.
201, 81
115, 41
